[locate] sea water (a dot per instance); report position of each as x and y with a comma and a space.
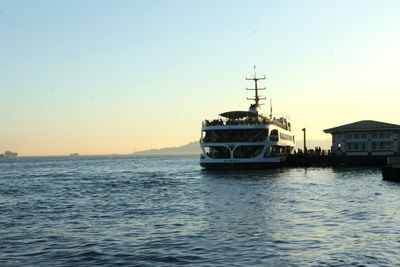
167, 211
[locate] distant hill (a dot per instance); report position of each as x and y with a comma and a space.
193, 148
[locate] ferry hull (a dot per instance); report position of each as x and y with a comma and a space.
240, 165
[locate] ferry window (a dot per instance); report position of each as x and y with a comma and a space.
285, 137
248, 135
349, 136
374, 135
267, 152
244, 152
374, 145
382, 135
204, 136
355, 146
217, 152
356, 136
274, 136
210, 137
277, 151
363, 136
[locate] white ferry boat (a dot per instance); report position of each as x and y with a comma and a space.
246, 139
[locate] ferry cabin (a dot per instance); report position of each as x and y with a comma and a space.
242, 135
365, 138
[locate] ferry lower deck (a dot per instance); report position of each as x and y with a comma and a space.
241, 165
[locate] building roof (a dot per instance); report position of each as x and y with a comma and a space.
366, 125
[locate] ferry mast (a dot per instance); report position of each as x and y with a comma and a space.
257, 97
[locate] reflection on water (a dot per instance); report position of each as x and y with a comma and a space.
167, 211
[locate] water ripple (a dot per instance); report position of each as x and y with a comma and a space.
160, 211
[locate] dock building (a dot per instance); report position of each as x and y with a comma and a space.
365, 138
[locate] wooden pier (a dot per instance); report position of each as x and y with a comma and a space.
391, 171
313, 160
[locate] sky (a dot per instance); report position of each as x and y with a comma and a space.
101, 77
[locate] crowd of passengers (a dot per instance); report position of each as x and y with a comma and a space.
317, 151
236, 122
247, 121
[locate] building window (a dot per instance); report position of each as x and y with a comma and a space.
356, 146
363, 146
363, 135
374, 135
356, 136
388, 145
382, 145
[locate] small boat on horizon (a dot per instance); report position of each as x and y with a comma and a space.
9, 154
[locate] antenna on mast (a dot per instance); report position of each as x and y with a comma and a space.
270, 103
257, 97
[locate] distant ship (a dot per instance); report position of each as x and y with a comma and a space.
246, 139
74, 155
9, 154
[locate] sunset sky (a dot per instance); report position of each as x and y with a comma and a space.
100, 77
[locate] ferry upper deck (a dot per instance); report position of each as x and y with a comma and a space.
244, 119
